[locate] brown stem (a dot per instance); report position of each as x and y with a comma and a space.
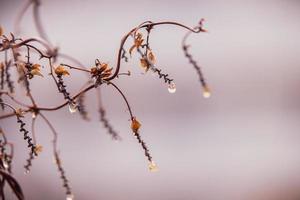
122, 94
148, 24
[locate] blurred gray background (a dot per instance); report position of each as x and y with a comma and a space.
243, 143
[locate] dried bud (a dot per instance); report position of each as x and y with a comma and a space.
94, 71
20, 112
144, 64
1, 66
151, 57
61, 71
135, 125
38, 149
1, 31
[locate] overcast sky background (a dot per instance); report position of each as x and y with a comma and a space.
243, 143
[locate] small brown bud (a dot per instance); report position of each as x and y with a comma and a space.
135, 125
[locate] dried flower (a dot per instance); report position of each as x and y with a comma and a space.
138, 41
103, 72
36, 70
61, 71
135, 125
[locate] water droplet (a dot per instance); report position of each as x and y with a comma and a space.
33, 115
153, 167
26, 171
70, 197
206, 92
72, 107
5, 164
172, 87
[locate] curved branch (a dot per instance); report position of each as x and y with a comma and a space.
20, 16
144, 25
13, 184
38, 23
122, 94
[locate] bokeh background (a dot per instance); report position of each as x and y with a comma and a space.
242, 143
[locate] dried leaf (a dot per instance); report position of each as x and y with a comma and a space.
61, 71
138, 41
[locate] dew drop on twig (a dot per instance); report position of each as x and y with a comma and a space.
72, 107
172, 87
5, 164
206, 92
153, 167
70, 197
